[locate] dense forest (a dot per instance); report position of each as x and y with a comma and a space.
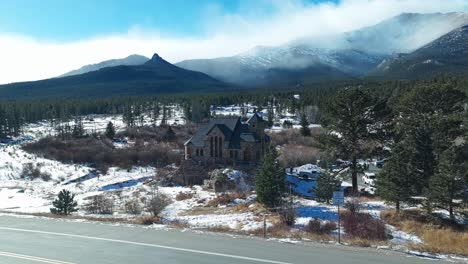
15, 114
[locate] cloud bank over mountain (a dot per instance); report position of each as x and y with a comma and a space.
24, 58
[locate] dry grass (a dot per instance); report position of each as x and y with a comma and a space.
442, 240
226, 198
179, 224
438, 237
361, 242
147, 220
184, 196
220, 229
79, 217
200, 210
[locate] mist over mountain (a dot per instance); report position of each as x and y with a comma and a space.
134, 59
407, 46
447, 54
352, 54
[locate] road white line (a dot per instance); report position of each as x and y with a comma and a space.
146, 245
32, 258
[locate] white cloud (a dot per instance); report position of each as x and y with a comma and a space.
23, 58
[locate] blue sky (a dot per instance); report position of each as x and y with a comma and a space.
56, 36
77, 19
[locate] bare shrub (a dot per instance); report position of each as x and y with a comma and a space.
100, 204
316, 226
296, 155
184, 196
294, 137
278, 230
101, 152
133, 207
31, 172
181, 133
45, 176
354, 205
226, 198
287, 216
364, 226
156, 204
179, 223
147, 220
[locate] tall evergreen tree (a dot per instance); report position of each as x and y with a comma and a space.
270, 181
270, 117
110, 130
305, 130
164, 116
396, 182
327, 183
78, 128
350, 120
450, 181
430, 116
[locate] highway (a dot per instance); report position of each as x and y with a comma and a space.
28, 240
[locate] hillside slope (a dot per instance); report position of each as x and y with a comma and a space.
153, 77
447, 54
348, 55
128, 61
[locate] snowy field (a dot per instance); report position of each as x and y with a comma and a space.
19, 195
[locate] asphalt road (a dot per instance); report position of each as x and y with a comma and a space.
38, 240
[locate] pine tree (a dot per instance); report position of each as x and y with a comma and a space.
270, 117
155, 113
164, 116
396, 182
187, 111
110, 130
78, 128
451, 179
327, 183
349, 120
305, 130
270, 181
64, 204
430, 116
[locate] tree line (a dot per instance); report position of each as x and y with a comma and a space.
420, 132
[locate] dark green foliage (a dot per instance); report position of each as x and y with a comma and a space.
444, 55
200, 111
78, 129
110, 130
396, 182
270, 181
327, 183
287, 124
350, 119
429, 121
270, 117
64, 204
169, 135
451, 180
305, 130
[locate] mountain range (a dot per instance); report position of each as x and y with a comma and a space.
155, 76
447, 54
353, 54
408, 46
134, 59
